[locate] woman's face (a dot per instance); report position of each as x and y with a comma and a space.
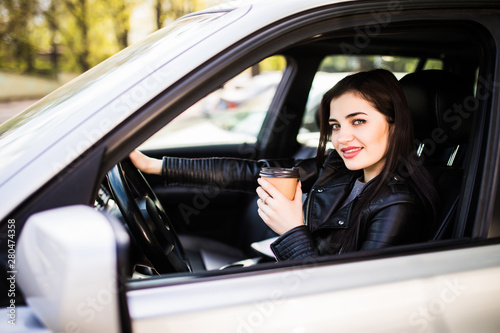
360, 134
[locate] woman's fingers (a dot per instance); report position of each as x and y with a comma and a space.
261, 205
265, 211
145, 163
298, 192
138, 159
269, 188
263, 195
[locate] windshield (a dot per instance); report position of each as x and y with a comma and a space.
60, 112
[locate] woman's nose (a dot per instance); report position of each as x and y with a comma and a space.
344, 136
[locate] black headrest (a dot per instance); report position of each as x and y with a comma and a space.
439, 100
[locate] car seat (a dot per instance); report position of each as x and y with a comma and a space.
438, 102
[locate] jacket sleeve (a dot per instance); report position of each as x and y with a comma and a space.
395, 224
294, 244
228, 173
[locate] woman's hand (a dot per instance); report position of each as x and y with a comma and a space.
279, 213
145, 163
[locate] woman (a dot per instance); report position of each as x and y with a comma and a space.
370, 192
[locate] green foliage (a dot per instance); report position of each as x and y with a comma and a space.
170, 10
49, 36
275, 63
17, 21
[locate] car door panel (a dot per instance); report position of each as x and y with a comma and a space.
431, 292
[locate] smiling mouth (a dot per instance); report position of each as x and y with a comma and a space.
350, 152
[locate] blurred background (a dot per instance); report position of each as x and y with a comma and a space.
46, 43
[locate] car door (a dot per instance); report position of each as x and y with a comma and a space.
228, 122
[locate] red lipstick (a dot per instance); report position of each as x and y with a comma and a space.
350, 152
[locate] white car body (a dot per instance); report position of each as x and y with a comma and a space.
453, 290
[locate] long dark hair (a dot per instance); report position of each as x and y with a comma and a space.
382, 89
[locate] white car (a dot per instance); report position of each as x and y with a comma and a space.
86, 240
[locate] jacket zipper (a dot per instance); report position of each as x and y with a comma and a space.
312, 192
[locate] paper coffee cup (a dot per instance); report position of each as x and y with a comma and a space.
284, 179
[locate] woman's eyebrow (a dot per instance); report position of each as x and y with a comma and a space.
350, 115
354, 114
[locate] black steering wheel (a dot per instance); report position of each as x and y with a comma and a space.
146, 219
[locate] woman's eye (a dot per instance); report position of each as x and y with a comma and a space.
358, 122
334, 127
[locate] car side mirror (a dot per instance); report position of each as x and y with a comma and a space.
71, 268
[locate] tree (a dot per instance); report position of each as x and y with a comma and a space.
120, 12
173, 9
78, 9
47, 36
95, 29
51, 18
17, 17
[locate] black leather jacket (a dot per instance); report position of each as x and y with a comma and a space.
397, 217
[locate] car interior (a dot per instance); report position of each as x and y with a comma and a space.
443, 77
442, 67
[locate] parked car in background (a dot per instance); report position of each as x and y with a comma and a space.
89, 244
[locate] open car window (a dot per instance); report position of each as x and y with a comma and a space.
232, 114
235, 114
335, 67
